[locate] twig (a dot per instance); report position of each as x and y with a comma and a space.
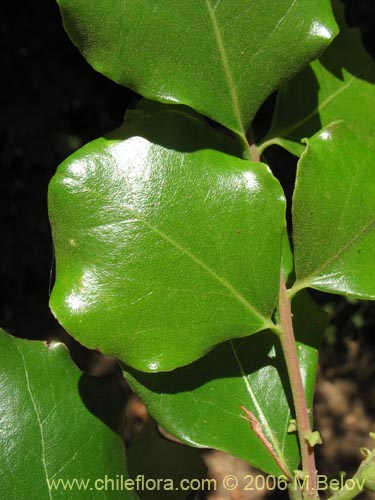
255, 156
288, 345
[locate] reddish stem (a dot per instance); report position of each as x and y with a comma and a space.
288, 345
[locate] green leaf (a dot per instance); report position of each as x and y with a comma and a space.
222, 58
287, 262
154, 457
200, 403
334, 214
56, 424
340, 85
164, 247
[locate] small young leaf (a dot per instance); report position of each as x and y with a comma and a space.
220, 57
338, 86
313, 438
292, 427
56, 424
164, 247
200, 403
334, 214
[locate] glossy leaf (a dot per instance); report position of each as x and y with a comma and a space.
334, 214
55, 424
340, 85
222, 57
164, 247
200, 403
155, 457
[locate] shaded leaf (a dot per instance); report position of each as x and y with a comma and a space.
200, 403
222, 58
164, 247
156, 457
338, 86
334, 214
287, 262
47, 432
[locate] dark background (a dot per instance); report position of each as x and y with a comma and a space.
52, 102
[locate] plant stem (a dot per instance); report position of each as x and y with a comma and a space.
294, 491
288, 345
363, 479
255, 156
274, 141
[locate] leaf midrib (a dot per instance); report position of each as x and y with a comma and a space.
285, 132
303, 282
267, 323
40, 426
226, 67
225, 62
258, 407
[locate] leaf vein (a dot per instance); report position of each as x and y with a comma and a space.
226, 67
44, 463
234, 292
338, 254
270, 34
257, 405
322, 105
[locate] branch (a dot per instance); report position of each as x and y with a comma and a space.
288, 345
255, 156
